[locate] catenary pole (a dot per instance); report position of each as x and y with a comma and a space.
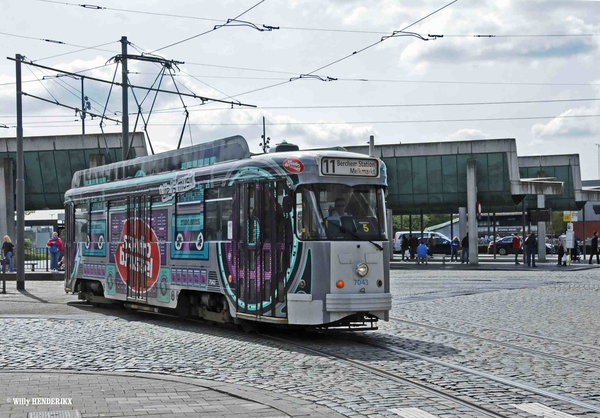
20, 182
125, 115
82, 109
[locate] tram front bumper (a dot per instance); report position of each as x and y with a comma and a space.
358, 302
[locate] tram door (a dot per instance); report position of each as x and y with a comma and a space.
139, 216
262, 256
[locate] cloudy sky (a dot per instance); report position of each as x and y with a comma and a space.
330, 75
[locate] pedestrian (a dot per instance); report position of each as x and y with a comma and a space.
516, 244
422, 253
8, 249
412, 245
595, 248
454, 245
531, 246
431, 245
561, 253
464, 255
404, 247
56, 247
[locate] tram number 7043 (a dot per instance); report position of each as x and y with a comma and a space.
361, 282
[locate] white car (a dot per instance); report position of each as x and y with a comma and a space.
442, 242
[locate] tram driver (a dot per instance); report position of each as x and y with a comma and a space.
338, 210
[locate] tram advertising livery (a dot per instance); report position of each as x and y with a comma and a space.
295, 238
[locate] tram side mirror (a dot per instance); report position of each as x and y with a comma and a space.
287, 204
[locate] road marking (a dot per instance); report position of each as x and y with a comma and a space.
540, 410
411, 413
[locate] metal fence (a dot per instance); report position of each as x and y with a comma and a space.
36, 259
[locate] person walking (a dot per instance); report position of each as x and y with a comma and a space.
561, 252
454, 244
404, 247
412, 246
594, 244
464, 255
516, 244
8, 249
531, 246
56, 247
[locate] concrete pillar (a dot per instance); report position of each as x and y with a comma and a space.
462, 223
7, 199
472, 210
541, 204
390, 228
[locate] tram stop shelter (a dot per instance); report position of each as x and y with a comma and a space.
459, 176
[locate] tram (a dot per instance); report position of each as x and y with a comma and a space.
296, 238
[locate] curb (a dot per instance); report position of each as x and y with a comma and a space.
291, 406
484, 267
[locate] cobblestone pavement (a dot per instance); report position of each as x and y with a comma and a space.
48, 330
116, 395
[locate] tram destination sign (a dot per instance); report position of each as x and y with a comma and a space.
349, 167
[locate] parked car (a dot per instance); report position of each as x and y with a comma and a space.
504, 246
442, 242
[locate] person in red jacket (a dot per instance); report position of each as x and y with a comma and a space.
56, 247
516, 244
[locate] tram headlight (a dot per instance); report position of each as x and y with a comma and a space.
362, 269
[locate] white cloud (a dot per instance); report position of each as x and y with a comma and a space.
569, 125
466, 134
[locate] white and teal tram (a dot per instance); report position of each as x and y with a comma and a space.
216, 233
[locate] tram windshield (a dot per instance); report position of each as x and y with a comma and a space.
339, 212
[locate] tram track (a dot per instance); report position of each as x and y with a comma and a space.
431, 387
485, 407
493, 328
391, 376
531, 351
487, 376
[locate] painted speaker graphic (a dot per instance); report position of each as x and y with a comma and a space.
188, 237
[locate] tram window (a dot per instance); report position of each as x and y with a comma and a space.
217, 213
339, 212
267, 261
81, 223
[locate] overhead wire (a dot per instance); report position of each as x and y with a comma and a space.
376, 106
382, 39
391, 122
83, 48
94, 48
211, 30
345, 57
396, 121
179, 109
410, 81
309, 29
366, 80
48, 91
